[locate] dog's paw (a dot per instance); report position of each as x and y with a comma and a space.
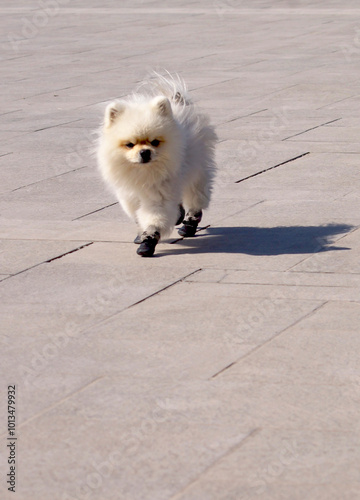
148, 244
190, 224
187, 230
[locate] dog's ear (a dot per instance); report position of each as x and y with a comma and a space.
162, 105
112, 111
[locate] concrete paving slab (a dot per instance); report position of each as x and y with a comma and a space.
78, 286
229, 247
114, 230
290, 284
47, 351
232, 317
240, 244
328, 356
225, 367
325, 134
335, 263
273, 461
238, 159
18, 255
46, 201
126, 450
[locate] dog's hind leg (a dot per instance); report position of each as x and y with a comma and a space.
181, 215
196, 197
190, 223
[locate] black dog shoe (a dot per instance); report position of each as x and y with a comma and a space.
148, 244
138, 239
187, 230
190, 225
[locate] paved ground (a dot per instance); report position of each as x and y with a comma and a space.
227, 367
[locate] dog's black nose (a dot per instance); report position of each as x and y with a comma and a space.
145, 155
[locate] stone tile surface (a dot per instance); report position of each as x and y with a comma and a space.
226, 367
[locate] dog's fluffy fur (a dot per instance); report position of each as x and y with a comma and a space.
157, 152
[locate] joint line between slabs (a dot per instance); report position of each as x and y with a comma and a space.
223, 369
94, 211
71, 251
307, 315
242, 116
54, 126
271, 168
355, 228
54, 405
47, 179
250, 434
238, 212
165, 288
48, 261
312, 128
120, 311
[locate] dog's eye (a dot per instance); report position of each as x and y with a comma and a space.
155, 143
130, 145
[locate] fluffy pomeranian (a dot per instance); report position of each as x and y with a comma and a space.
156, 150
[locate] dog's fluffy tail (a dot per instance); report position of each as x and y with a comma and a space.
171, 86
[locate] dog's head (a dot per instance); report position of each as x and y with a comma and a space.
141, 131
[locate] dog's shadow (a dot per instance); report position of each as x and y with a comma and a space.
262, 240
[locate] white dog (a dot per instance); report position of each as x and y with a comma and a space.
157, 152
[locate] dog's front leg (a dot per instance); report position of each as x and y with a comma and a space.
156, 218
